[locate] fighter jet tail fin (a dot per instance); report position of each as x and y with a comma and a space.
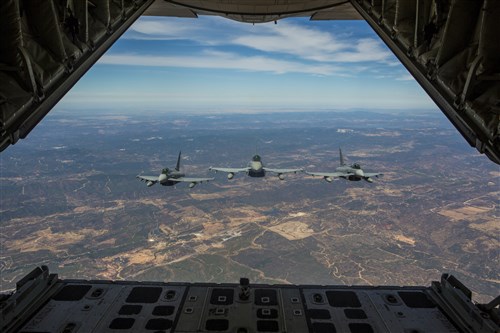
341, 157
178, 165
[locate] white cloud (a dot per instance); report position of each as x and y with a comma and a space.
204, 31
293, 39
163, 28
407, 77
365, 50
222, 60
220, 44
286, 37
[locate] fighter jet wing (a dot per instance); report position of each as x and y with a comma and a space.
230, 170
327, 174
373, 174
153, 179
191, 179
281, 171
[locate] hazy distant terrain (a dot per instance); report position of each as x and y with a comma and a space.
70, 200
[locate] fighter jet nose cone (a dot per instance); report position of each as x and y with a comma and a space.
360, 173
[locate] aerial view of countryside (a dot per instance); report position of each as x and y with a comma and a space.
70, 200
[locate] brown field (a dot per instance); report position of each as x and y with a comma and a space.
464, 213
404, 239
46, 239
293, 230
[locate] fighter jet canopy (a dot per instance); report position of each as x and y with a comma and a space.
256, 158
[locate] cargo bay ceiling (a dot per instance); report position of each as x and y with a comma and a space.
451, 47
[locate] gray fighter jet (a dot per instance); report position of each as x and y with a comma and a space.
350, 172
171, 177
255, 169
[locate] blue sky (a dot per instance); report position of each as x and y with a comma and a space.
211, 64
